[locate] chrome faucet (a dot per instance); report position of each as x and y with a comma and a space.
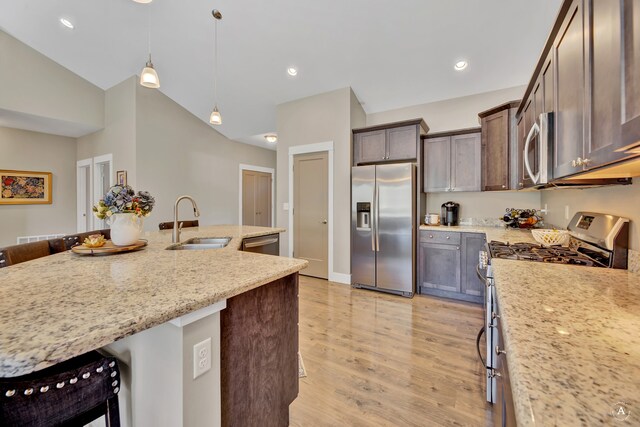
178, 227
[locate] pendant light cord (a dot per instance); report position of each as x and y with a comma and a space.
149, 32
215, 63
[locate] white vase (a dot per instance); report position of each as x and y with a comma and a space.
126, 228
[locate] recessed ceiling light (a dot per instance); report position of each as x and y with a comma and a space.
271, 138
460, 65
292, 71
143, 1
67, 23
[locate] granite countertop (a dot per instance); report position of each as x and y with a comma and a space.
502, 234
63, 305
572, 337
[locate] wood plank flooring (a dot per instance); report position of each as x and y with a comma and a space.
374, 359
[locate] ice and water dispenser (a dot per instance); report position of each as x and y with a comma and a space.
363, 210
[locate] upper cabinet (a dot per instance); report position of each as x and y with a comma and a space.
393, 142
569, 93
631, 73
498, 144
452, 161
589, 76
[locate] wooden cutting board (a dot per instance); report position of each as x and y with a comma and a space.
108, 249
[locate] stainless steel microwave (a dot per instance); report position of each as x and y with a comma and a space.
538, 150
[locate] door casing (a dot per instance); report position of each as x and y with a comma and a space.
314, 148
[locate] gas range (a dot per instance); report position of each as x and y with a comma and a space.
553, 254
596, 240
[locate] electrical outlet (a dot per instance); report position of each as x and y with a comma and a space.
201, 358
566, 211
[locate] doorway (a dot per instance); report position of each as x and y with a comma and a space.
256, 196
311, 212
94, 177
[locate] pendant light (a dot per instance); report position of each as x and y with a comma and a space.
215, 118
149, 77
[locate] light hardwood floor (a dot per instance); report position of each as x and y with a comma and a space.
374, 359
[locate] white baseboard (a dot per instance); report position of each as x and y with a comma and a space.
340, 278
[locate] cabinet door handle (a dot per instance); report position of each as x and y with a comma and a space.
448, 237
504, 186
457, 248
431, 236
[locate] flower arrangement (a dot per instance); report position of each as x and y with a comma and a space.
123, 199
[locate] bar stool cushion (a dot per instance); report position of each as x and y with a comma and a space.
74, 392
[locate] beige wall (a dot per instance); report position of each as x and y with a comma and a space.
315, 119
177, 153
450, 114
486, 204
32, 84
33, 151
119, 135
617, 200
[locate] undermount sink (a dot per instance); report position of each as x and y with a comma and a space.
199, 243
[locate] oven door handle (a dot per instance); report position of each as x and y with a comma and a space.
479, 337
482, 278
533, 132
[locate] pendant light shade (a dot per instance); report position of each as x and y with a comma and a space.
149, 77
215, 118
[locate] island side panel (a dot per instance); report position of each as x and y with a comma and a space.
259, 355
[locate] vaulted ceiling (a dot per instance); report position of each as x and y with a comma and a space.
393, 53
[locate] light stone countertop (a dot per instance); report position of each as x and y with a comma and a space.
63, 305
572, 337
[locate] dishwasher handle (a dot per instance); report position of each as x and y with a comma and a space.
263, 242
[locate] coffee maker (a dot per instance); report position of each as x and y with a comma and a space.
449, 214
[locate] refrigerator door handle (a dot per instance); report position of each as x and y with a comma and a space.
374, 217
377, 208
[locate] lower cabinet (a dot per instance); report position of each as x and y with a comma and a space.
447, 265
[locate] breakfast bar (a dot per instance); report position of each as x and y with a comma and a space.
149, 308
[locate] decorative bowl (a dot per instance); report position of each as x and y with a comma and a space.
551, 237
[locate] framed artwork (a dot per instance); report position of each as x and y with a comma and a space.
25, 187
121, 177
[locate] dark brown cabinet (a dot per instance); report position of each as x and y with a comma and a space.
370, 147
589, 77
393, 142
569, 93
498, 135
452, 162
447, 265
631, 73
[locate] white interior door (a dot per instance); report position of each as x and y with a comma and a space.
102, 181
84, 192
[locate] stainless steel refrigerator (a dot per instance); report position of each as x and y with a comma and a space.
382, 227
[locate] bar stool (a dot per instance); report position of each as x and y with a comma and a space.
71, 393
185, 224
16, 254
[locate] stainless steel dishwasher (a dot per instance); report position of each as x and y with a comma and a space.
269, 244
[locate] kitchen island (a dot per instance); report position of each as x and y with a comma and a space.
147, 307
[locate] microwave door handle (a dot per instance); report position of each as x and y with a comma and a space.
535, 129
